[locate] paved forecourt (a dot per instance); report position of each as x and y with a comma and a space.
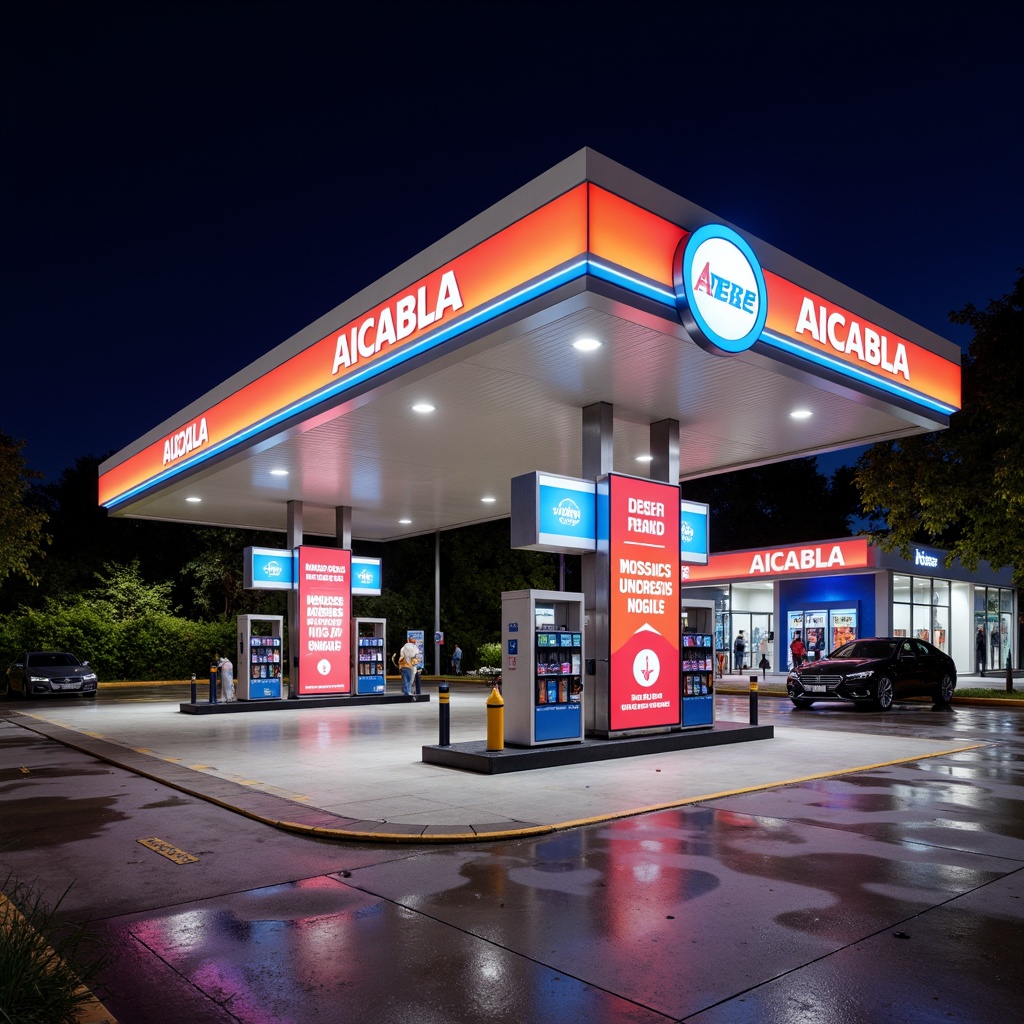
358, 774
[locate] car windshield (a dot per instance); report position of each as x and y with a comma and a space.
51, 659
865, 649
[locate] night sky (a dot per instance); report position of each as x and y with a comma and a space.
187, 185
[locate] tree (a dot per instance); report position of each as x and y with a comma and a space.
962, 488
785, 503
22, 536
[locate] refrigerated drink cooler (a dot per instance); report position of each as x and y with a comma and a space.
368, 646
542, 669
261, 657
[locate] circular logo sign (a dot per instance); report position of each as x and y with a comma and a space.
646, 667
323, 666
720, 290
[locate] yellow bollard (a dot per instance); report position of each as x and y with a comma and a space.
495, 721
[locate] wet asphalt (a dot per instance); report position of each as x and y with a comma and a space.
887, 888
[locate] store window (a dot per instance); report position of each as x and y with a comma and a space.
993, 614
920, 608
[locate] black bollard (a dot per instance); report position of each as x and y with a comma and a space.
1009, 673
443, 716
213, 682
193, 687
753, 700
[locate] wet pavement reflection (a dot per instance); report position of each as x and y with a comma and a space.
891, 894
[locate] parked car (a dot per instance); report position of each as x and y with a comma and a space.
49, 673
876, 672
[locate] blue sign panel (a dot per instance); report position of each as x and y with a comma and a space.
366, 576
694, 541
513, 645
269, 569
552, 513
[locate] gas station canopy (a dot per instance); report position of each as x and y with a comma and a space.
694, 321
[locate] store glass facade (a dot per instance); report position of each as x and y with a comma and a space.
993, 614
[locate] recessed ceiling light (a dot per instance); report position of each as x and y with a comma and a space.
645, 458
279, 472
800, 414
194, 500
586, 344
423, 407
489, 500
405, 522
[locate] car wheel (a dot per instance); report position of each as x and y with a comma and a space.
884, 694
945, 691
800, 703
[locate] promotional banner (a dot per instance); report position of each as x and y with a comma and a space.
324, 640
643, 608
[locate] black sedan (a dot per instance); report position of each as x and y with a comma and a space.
875, 672
46, 673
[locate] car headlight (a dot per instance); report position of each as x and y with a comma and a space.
860, 675
38, 679
90, 677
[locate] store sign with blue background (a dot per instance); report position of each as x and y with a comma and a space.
693, 533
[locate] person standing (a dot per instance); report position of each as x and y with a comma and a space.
739, 650
996, 647
408, 659
979, 650
457, 661
227, 680
798, 650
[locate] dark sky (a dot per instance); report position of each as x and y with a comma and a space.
185, 185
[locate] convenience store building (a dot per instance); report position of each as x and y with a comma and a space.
836, 590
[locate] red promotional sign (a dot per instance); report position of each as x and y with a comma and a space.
325, 587
643, 610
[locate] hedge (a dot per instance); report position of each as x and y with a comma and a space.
154, 646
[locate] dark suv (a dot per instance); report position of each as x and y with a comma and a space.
876, 672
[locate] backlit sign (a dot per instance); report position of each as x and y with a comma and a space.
268, 569
720, 290
828, 556
693, 533
325, 588
643, 608
366, 576
553, 513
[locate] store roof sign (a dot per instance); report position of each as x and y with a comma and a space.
828, 556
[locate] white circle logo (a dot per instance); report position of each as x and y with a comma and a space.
720, 290
686, 532
646, 667
323, 666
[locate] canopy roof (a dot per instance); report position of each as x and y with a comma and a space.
481, 326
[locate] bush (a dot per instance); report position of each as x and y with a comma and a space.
156, 645
489, 656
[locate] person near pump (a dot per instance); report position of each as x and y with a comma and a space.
417, 674
227, 680
457, 661
979, 649
739, 650
798, 650
408, 659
